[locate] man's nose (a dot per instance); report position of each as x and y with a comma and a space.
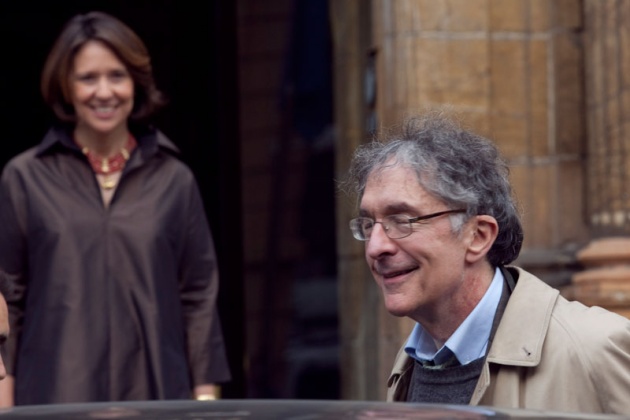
379, 243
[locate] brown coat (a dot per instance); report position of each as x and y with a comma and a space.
548, 354
109, 303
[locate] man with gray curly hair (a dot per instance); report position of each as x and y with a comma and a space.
440, 228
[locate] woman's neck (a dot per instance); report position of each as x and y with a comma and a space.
103, 144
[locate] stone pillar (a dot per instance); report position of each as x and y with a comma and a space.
607, 35
606, 278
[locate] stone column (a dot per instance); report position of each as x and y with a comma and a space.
607, 51
606, 278
605, 281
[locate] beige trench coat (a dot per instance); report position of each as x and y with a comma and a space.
548, 354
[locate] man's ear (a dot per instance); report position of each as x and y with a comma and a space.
484, 231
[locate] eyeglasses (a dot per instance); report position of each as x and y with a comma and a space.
396, 226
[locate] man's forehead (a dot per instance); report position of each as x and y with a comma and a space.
394, 189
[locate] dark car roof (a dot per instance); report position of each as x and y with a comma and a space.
273, 409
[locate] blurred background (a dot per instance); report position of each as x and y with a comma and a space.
269, 98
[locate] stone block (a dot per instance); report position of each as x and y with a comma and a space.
594, 67
539, 15
624, 52
608, 287
468, 15
569, 204
402, 75
625, 98
510, 133
508, 81
397, 16
606, 251
611, 124
538, 94
612, 78
430, 73
508, 15
536, 189
567, 13
467, 73
421, 15
569, 96
539, 132
384, 69
596, 133
520, 180
477, 120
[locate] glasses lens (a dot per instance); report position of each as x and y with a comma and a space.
361, 228
398, 226
355, 227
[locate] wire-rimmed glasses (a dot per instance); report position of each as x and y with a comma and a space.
396, 226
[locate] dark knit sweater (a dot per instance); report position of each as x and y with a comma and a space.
451, 385
455, 384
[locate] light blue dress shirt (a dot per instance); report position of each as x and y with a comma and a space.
470, 340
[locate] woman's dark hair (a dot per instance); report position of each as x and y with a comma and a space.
121, 40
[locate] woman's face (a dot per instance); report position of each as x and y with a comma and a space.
102, 90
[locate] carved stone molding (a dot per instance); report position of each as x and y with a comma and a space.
605, 280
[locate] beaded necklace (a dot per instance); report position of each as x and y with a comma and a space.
106, 166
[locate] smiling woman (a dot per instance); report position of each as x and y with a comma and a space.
102, 94
101, 91
103, 230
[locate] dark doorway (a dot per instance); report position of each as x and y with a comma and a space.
193, 48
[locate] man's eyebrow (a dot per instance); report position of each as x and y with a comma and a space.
400, 208
394, 208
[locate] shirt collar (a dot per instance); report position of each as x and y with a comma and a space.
470, 340
58, 135
149, 140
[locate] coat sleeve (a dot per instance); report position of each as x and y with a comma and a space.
608, 355
13, 258
199, 283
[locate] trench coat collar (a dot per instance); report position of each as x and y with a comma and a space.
149, 139
521, 333
529, 310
